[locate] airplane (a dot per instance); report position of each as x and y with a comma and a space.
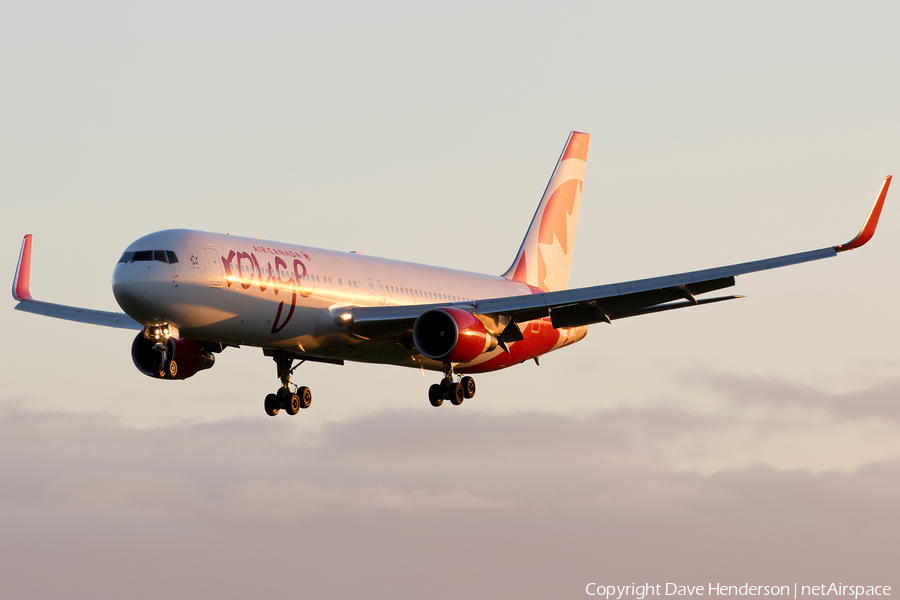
191, 294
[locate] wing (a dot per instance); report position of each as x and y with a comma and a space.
21, 291
601, 303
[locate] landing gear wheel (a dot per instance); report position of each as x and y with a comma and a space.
468, 385
160, 370
292, 404
305, 396
457, 394
273, 405
171, 369
436, 395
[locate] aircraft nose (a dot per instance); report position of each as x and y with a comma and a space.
129, 284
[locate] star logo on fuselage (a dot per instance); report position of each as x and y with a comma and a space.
194, 260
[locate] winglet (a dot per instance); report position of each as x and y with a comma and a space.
21, 284
868, 229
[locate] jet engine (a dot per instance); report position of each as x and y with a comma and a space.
189, 356
451, 335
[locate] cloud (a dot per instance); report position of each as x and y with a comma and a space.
881, 401
426, 503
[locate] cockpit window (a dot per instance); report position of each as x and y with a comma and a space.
164, 256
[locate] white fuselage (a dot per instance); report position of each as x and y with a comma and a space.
244, 291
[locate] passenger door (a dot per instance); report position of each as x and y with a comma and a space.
216, 273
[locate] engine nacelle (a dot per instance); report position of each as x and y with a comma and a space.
451, 335
190, 356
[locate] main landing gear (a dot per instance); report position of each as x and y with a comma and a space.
447, 389
284, 398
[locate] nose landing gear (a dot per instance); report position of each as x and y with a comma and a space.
284, 398
162, 336
447, 389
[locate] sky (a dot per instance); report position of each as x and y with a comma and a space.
749, 441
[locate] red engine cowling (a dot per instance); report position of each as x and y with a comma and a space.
190, 356
451, 335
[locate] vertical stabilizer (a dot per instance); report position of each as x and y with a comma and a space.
545, 258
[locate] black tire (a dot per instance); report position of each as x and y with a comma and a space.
292, 404
160, 370
272, 404
171, 369
457, 394
436, 395
468, 386
305, 395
